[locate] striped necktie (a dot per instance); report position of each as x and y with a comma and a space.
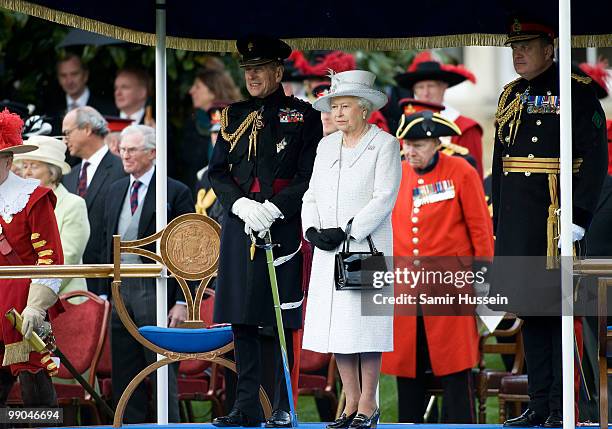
134, 196
82, 185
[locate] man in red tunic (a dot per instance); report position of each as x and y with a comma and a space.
440, 220
429, 79
28, 236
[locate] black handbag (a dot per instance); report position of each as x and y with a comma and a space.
357, 270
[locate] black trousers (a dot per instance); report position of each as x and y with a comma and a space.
542, 339
251, 368
458, 397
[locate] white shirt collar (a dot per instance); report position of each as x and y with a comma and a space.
450, 113
96, 158
136, 116
145, 179
15, 193
81, 101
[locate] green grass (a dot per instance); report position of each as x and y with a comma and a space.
307, 410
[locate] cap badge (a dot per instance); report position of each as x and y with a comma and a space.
250, 46
516, 27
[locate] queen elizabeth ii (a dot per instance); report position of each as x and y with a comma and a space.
356, 177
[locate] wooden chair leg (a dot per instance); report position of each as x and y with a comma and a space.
602, 310
502, 409
182, 414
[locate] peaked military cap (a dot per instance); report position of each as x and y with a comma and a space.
427, 124
259, 50
522, 31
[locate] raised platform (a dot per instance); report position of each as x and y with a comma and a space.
308, 426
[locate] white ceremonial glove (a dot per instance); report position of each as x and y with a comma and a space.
40, 298
273, 209
577, 233
253, 214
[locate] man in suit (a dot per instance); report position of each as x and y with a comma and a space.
84, 130
72, 76
131, 92
130, 212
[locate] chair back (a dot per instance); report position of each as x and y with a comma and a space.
88, 321
487, 346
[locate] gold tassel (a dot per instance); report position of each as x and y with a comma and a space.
16, 353
552, 225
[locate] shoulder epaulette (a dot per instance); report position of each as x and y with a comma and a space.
514, 82
582, 79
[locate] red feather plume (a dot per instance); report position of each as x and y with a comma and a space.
337, 61
10, 129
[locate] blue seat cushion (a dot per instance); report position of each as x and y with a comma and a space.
184, 340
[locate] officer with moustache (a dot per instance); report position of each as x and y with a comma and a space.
260, 169
525, 193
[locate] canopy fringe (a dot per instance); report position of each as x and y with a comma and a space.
211, 45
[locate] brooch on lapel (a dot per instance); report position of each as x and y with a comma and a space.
281, 145
289, 116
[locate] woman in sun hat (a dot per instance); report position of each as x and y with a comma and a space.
47, 164
356, 177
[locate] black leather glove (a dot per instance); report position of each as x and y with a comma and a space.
319, 240
334, 236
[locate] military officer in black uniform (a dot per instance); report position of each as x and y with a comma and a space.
260, 169
525, 189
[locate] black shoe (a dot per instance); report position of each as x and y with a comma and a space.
343, 421
279, 419
555, 420
235, 418
528, 419
361, 421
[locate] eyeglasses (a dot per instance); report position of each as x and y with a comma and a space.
66, 133
131, 150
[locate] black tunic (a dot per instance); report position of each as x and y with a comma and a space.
285, 152
521, 201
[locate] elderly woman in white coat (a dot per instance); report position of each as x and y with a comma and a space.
356, 176
48, 165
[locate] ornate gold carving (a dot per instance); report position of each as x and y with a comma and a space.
190, 246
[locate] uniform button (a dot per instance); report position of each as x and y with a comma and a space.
420, 181
527, 173
538, 122
534, 139
415, 229
415, 252
417, 262
507, 156
548, 93
415, 240
416, 210
507, 139
505, 173
530, 156
415, 219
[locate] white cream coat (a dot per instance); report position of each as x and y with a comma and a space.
365, 188
73, 226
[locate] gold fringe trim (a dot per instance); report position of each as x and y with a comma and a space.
17, 353
215, 45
